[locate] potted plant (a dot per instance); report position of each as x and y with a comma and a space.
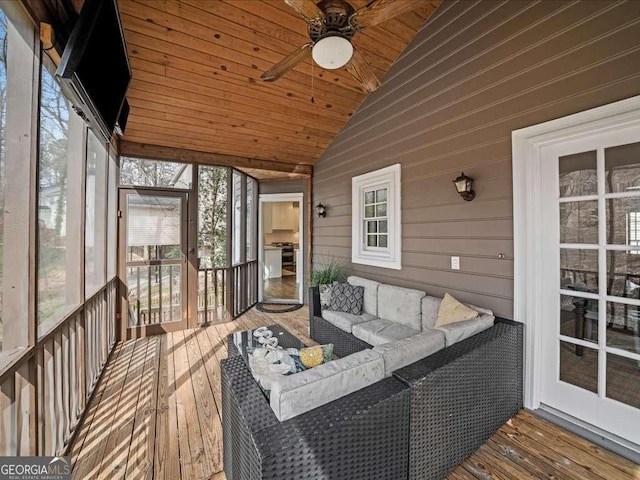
323, 277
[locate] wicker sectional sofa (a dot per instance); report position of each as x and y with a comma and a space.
419, 422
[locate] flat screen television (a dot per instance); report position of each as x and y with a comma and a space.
94, 70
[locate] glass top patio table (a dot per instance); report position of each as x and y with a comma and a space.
243, 343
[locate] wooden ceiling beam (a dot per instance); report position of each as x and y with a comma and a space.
140, 150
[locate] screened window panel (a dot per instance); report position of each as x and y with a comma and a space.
16, 123
59, 204
238, 218
95, 227
212, 216
112, 216
144, 172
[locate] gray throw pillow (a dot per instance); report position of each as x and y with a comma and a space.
346, 298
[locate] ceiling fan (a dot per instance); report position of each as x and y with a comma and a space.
331, 25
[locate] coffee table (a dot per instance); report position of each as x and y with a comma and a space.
243, 343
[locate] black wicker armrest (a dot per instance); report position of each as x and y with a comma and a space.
461, 395
315, 308
363, 435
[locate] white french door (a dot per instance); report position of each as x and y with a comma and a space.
589, 333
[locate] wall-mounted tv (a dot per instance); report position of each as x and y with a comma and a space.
94, 69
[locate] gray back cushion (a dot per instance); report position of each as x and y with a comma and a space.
400, 305
430, 308
370, 304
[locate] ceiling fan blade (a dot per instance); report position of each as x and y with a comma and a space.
307, 9
287, 63
379, 11
361, 71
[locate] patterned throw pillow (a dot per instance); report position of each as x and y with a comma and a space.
314, 356
346, 298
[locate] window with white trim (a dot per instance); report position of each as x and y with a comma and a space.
376, 226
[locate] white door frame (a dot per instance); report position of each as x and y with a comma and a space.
281, 197
527, 222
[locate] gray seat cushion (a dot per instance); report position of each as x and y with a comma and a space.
370, 304
403, 352
379, 331
345, 321
304, 391
455, 332
400, 305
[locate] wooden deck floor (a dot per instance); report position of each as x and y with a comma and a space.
156, 414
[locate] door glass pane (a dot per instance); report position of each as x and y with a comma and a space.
623, 379
579, 318
622, 168
144, 172
577, 174
153, 227
579, 222
623, 221
579, 366
579, 269
623, 326
154, 294
623, 273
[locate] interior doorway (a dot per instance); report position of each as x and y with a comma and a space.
280, 248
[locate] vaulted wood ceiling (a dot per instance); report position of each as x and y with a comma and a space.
196, 77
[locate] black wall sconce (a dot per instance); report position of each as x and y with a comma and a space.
464, 186
321, 210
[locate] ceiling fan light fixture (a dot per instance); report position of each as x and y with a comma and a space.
332, 52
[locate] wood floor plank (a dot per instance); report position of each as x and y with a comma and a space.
206, 410
561, 462
114, 462
194, 463
577, 455
183, 369
501, 468
535, 465
95, 444
166, 464
142, 445
92, 409
211, 356
626, 467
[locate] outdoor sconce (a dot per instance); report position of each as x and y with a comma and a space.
321, 210
464, 186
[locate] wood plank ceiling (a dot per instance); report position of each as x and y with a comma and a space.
196, 78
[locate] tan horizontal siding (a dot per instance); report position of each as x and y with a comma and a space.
473, 74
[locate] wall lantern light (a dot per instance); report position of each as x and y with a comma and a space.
464, 186
321, 210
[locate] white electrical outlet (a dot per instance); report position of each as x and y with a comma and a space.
455, 263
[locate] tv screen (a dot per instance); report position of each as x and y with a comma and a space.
94, 69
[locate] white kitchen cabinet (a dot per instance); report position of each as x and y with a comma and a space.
282, 214
267, 217
295, 217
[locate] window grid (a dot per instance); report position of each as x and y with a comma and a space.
376, 219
